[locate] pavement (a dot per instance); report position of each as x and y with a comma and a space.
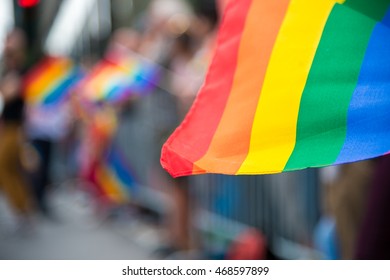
75, 233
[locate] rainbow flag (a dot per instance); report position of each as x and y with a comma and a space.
51, 81
293, 84
115, 178
115, 79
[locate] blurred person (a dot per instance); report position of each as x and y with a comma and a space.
189, 58
98, 128
358, 200
12, 140
47, 118
45, 127
202, 32
346, 198
222, 5
205, 22
123, 42
156, 27
178, 220
372, 235
325, 237
182, 78
98, 121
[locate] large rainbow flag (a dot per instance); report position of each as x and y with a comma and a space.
293, 84
51, 81
115, 79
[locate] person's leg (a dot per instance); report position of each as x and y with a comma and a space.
349, 197
40, 177
180, 216
11, 173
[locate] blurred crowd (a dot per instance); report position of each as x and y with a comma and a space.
165, 52
172, 40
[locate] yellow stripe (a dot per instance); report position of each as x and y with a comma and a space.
47, 80
110, 186
121, 75
99, 82
274, 128
113, 74
95, 84
114, 80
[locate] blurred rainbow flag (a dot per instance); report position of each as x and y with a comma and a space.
51, 81
114, 79
115, 178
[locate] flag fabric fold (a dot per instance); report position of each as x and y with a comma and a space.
293, 84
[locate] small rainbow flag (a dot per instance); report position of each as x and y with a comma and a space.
115, 178
115, 79
293, 84
51, 81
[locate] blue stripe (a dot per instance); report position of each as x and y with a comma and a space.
146, 79
368, 130
114, 92
386, 19
121, 170
62, 90
141, 81
120, 93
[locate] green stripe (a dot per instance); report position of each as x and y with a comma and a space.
375, 9
322, 119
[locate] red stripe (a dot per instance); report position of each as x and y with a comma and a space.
37, 71
183, 141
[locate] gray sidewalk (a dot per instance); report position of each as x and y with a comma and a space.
75, 233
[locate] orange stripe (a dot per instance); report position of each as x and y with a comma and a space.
192, 138
51, 73
262, 27
110, 186
96, 83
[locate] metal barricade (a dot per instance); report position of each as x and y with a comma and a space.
284, 207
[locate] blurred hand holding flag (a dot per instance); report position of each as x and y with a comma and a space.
293, 84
